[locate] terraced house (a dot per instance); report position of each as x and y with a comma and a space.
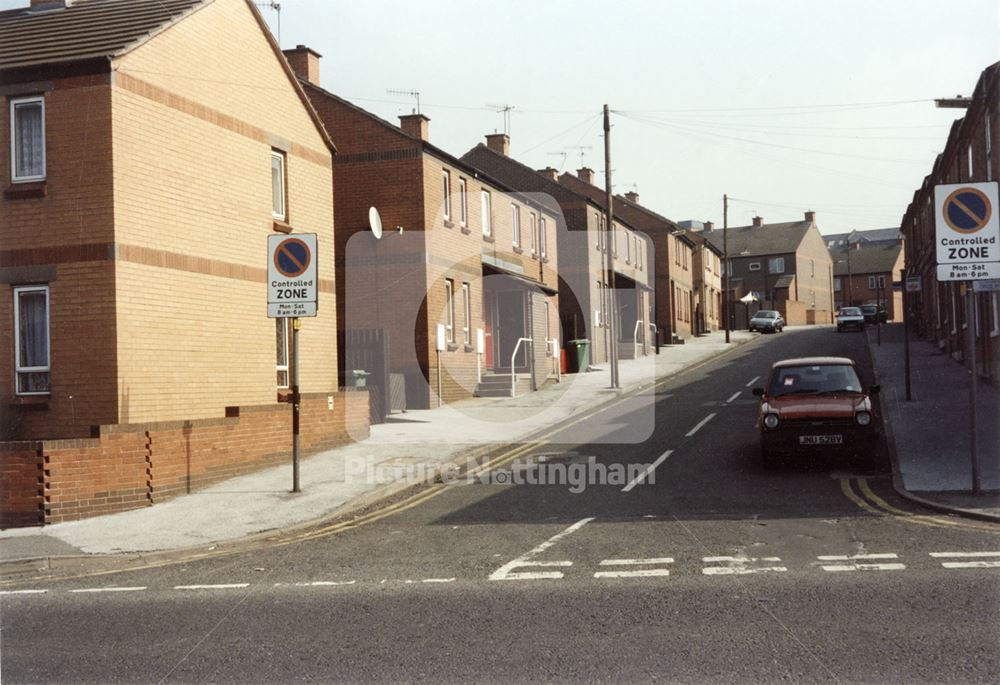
460, 291
142, 177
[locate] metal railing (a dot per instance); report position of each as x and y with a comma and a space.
635, 338
513, 374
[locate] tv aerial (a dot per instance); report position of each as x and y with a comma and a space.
505, 110
415, 94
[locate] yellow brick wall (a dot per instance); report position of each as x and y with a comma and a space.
195, 113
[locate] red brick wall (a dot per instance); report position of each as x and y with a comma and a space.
134, 465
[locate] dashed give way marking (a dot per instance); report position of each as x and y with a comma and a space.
505, 572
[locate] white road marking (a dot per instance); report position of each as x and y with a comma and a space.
737, 566
505, 571
700, 424
752, 381
23, 592
112, 589
971, 564
649, 469
319, 583
634, 562
637, 573
735, 395
864, 567
853, 557
229, 586
964, 554
438, 580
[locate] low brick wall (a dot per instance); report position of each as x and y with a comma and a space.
819, 316
127, 466
794, 312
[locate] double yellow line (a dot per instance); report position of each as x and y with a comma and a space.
866, 499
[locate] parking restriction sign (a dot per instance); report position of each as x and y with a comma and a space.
967, 231
292, 281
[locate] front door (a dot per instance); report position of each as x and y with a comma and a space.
510, 325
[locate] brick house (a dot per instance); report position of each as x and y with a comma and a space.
583, 278
707, 269
971, 154
866, 265
461, 250
142, 179
787, 265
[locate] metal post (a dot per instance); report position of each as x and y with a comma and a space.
609, 244
906, 334
970, 316
296, 400
879, 295
726, 304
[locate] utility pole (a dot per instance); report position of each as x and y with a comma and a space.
726, 304
609, 245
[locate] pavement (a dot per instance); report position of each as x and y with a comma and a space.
415, 444
929, 436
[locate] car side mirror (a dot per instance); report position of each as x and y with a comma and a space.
759, 392
875, 389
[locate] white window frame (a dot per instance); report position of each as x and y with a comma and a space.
628, 248
279, 367
515, 225
753, 266
776, 265
14, 102
47, 367
282, 212
446, 187
837, 284
995, 323
542, 239
533, 228
487, 209
968, 157
466, 314
463, 202
449, 310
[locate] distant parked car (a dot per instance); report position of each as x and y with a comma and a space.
815, 405
874, 313
850, 317
767, 321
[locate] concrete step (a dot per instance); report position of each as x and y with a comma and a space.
498, 385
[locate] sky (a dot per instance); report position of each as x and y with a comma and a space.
784, 105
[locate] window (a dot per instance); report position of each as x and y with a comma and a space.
281, 327
638, 252
968, 156
628, 248
31, 340
533, 228
602, 236
449, 310
278, 185
836, 285
600, 298
812, 267
876, 282
487, 213
466, 314
542, 246
515, 225
27, 141
994, 314
463, 203
446, 188
776, 265
754, 266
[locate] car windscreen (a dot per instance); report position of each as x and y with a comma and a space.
817, 379
850, 311
869, 308
765, 315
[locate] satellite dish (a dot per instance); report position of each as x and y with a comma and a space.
375, 222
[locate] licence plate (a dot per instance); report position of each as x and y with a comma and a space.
821, 439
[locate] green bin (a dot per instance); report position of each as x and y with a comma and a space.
579, 355
358, 378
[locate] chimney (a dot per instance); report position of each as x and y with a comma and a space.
550, 173
758, 221
811, 216
632, 197
708, 226
586, 174
499, 143
415, 124
304, 62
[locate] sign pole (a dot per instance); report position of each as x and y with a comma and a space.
970, 315
906, 331
296, 401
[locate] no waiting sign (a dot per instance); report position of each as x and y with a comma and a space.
967, 223
292, 282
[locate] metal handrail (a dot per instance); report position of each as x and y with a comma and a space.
513, 375
635, 338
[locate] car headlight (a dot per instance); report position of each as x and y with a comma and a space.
863, 418
770, 420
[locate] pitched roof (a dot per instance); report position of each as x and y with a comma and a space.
753, 241
867, 258
85, 29
870, 236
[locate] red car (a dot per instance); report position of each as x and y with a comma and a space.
813, 406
